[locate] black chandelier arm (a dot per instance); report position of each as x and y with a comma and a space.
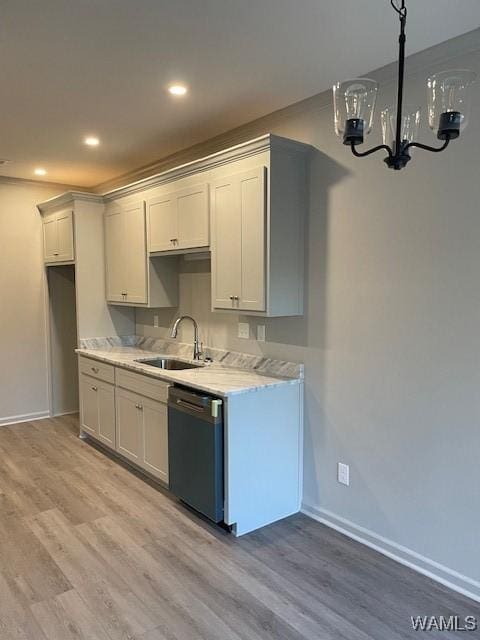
426, 147
362, 154
401, 10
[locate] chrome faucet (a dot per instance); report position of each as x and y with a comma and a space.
197, 347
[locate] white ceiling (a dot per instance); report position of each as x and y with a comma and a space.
74, 67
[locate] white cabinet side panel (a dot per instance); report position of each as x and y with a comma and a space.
263, 435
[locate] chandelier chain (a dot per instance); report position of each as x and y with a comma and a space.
401, 10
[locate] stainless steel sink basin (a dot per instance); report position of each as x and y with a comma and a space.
169, 363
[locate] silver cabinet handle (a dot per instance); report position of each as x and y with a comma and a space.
232, 297
95, 369
94, 388
236, 298
139, 407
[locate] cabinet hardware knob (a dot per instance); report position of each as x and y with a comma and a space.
139, 406
94, 388
55, 253
95, 369
236, 298
232, 297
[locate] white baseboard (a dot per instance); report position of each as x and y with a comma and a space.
65, 413
430, 568
26, 417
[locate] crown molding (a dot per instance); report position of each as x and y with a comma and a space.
253, 147
38, 183
67, 198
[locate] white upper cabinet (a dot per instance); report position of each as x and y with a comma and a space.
58, 238
238, 241
126, 253
246, 204
257, 224
162, 223
179, 220
131, 278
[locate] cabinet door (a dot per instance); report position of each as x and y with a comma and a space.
65, 244
135, 245
50, 243
155, 438
162, 223
253, 216
88, 404
129, 425
106, 413
192, 217
114, 255
226, 242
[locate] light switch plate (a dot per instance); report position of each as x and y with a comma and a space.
343, 473
261, 333
243, 330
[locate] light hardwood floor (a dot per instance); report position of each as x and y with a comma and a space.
88, 550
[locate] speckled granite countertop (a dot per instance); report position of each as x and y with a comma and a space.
215, 377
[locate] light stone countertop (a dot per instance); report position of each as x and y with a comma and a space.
213, 378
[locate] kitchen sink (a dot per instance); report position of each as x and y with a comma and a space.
169, 363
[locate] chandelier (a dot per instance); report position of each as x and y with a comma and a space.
448, 108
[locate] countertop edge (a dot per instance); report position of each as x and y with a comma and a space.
175, 379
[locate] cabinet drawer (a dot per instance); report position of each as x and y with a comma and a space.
97, 369
145, 386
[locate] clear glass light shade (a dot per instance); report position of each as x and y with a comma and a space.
354, 99
410, 123
449, 91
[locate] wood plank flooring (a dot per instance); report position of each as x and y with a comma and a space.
89, 550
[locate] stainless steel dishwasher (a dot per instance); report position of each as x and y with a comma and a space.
195, 450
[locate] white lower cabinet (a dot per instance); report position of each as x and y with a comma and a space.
129, 425
142, 432
155, 438
97, 409
126, 411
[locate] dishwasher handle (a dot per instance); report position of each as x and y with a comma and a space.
203, 406
188, 405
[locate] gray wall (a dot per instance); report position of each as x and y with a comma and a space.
390, 338
23, 339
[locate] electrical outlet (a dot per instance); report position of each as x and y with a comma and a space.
243, 330
343, 473
261, 333
155, 321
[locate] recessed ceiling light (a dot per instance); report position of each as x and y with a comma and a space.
40, 171
92, 141
177, 89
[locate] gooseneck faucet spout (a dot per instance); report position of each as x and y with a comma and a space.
197, 348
